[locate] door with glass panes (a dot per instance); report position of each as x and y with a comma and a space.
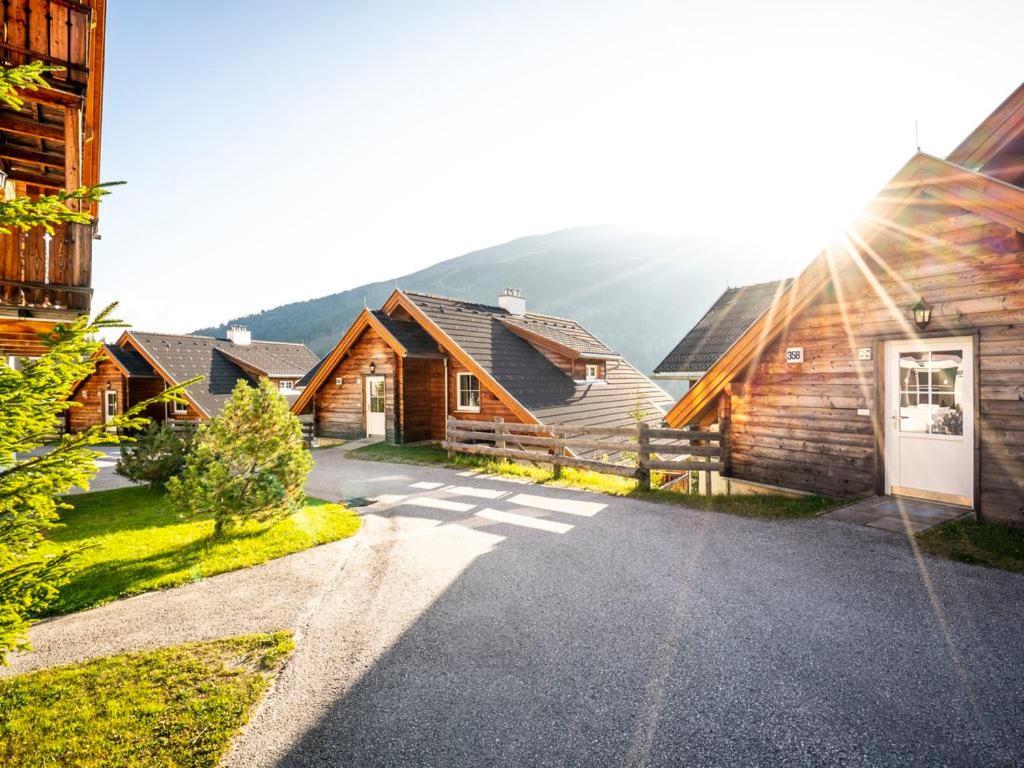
929, 393
375, 419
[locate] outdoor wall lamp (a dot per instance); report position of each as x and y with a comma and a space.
922, 314
373, 368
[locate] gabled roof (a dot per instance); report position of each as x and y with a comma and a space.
178, 358
567, 337
733, 313
130, 362
485, 334
480, 337
924, 176
271, 358
995, 133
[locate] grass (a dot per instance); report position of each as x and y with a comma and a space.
177, 706
766, 506
135, 542
967, 541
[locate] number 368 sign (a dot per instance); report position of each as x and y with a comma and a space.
795, 355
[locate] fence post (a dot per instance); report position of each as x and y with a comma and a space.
556, 468
448, 436
724, 428
643, 455
707, 478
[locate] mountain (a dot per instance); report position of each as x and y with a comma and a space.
638, 292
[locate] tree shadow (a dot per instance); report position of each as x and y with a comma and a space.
648, 635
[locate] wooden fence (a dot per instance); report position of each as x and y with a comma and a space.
631, 451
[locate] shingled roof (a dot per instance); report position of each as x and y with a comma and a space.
182, 357
483, 332
734, 312
567, 334
132, 362
416, 341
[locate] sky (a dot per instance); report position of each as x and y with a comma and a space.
277, 152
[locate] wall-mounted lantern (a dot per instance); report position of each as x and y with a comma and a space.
922, 314
373, 368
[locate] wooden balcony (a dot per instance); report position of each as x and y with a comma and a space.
52, 31
46, 276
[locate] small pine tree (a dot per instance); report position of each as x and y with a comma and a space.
155, 456
248, 463
33, 475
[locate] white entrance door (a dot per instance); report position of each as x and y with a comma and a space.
109, 405
375, 425
929, 446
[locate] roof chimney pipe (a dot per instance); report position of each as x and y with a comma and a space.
240, 335
513, 301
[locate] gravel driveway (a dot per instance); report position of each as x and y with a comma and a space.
484, 622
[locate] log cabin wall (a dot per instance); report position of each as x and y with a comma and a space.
423, 415
140, 389
490, 406
339, 411
88, 410
798, 426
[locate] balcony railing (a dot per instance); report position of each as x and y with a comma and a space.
40, 271
52, 31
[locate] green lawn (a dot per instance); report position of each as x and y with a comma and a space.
135, 542
768, 506
176, 707
969, 542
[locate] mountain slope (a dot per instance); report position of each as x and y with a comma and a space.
639, 293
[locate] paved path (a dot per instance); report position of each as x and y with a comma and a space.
481, 622
265, 598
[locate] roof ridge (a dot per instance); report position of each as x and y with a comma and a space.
133, 332
453, 299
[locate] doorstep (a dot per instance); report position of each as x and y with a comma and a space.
897, 514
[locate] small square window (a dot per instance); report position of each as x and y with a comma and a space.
286, 384
468, 392
179, 409
593, 372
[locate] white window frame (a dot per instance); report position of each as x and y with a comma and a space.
459, 390
597, 372
179, 409
286, 384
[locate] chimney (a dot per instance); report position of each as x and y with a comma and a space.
240, 335
513, 301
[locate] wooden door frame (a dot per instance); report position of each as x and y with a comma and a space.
878, 353
366, 403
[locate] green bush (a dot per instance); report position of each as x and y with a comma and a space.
157, 455
248, 463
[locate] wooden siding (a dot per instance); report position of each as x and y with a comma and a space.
89, 396
490, 406
797, 425
423, 415
339, 411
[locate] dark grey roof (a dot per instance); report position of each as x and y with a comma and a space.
272, 358
567, 333
184, 357
530, 377
416, 341
304, 381
713, 335
131, 361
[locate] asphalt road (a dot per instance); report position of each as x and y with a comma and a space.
481, 622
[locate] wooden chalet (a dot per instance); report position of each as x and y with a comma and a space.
400, 371
894, 364
141, 365
51, 143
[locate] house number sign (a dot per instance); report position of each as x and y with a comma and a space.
795, 355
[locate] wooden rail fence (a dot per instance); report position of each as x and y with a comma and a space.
640, 449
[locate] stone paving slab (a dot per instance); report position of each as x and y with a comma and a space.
897, 514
